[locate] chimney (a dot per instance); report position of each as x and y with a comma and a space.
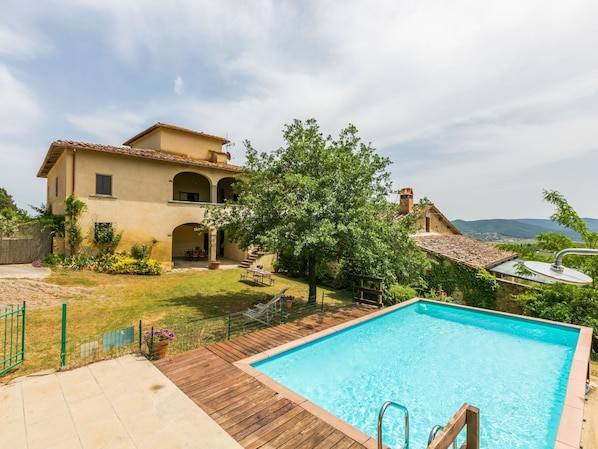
406, 200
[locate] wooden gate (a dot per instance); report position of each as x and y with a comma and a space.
369, 290
12, 337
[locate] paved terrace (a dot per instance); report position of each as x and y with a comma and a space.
253, 414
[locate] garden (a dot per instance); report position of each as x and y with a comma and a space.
99, 303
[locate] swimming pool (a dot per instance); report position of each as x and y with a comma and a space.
432, 358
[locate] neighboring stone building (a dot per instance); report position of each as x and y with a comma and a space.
429, 218
154, 189
438, 237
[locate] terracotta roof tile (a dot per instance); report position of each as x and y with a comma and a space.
222, 140
57, 147
461, 249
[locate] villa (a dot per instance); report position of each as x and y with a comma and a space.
154, 189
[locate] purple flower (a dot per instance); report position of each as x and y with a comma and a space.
159, 335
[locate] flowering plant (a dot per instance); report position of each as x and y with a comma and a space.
288, 298
159, 335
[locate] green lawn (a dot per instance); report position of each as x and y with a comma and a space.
169, 300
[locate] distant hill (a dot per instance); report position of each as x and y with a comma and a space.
515, 229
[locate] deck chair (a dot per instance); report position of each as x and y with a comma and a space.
265, 313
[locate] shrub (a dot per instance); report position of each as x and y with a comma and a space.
140, 251
52, 260
398, 293
122, 263
105, 238
565, 303
79, 262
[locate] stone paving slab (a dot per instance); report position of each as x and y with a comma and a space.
121, 403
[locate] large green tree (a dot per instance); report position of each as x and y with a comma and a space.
6, 201
566, 216
321, 199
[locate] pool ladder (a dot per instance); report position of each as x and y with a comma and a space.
437, 428
381, 415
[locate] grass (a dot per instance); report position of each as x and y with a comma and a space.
119, 301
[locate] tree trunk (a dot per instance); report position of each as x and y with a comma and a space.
311, 279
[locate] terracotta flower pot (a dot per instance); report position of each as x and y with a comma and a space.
214, 264
158, 349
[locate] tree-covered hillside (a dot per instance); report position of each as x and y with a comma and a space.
516, 229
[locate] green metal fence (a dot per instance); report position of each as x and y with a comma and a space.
77, 350
12, 326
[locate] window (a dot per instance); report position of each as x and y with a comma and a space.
104, 185
56, 187
189, 196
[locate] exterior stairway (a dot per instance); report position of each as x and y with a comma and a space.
253, 254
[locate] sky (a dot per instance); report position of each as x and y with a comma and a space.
480, 105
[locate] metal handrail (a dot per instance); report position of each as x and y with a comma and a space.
438, 428
381, 415
433, 433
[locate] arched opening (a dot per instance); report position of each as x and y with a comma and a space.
191, 187
190, 247
225, 190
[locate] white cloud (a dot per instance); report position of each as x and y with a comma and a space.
19, 108
178, 85
111, 126
492, 93
13, 44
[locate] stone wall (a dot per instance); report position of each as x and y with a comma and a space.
504, 294
31, 244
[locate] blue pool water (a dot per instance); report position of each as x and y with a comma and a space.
432, 358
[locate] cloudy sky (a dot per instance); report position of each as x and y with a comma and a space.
479, 104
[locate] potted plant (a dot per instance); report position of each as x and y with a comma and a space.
288, 301
214, 264
157, 341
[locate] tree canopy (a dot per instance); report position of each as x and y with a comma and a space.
320, 199
6, 201
566, 216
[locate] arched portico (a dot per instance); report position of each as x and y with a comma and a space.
191, 187
225, 191
190, 245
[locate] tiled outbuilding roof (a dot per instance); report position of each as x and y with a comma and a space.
463, 250
57, 147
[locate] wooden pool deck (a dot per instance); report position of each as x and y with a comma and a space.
252, 413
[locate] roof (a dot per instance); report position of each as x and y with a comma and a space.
57, 148
463, 250
509, 268
222, 140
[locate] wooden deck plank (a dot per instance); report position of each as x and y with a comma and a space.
253, 414
269, 430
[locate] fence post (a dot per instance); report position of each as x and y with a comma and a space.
23, 332
151, 345
140, 336
63, 337
228, 328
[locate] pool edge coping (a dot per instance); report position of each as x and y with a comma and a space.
569, 432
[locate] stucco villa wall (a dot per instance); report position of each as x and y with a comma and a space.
142, 222
141, 205
180, 143
62, 171
233, 251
